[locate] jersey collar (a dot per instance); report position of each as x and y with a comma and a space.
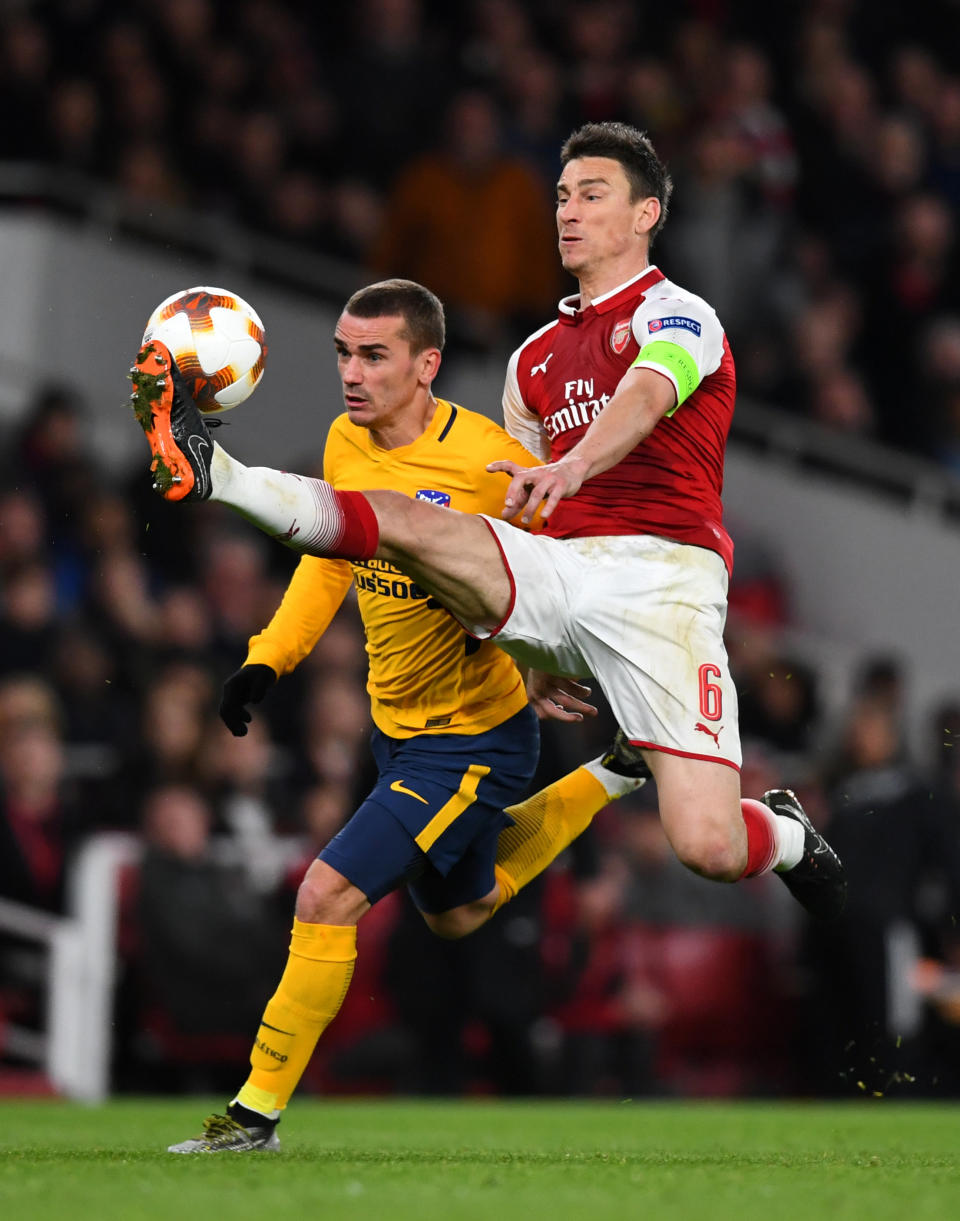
571, 314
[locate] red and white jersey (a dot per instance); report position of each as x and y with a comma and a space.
564, 375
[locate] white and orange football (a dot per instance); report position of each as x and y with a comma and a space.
218, 342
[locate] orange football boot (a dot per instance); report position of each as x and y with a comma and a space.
172, 423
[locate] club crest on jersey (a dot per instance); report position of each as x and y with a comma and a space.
662, 324
435, 498
620, 336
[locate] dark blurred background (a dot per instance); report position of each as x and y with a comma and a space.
816, 153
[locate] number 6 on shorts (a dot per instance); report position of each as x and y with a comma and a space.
711, 696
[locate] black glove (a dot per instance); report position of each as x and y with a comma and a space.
247, 686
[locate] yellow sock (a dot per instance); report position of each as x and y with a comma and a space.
307, 999
544, 825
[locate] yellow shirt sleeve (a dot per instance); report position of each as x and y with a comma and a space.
313, 597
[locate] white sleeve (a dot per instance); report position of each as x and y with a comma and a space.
521, 424
686, 321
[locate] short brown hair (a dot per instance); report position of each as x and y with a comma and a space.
420, 309
632, 148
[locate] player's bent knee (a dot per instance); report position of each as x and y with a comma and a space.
445, 925
459, 921
712, 856
327, 897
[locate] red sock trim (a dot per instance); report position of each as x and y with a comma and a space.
761, 837
361, 531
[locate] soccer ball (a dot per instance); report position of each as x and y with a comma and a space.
217, 340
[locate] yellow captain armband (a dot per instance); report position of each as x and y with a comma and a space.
677, 362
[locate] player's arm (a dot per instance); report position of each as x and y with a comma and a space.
312, 598
679, 343
314, 595
641, 400
524, 425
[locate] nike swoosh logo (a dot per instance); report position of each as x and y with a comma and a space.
399, 787
193, 444
277, 1029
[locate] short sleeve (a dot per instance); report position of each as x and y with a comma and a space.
680, 337
519, 422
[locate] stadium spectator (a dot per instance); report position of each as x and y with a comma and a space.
944, 120
22, 536
173, 711
392, 44
914, 283
532, 86
483, 1037
779, 709
718, 225
248, 800
210, 942
50, 455
745, 101
28, 618
26, 55
898, 836
38, 818
506, 271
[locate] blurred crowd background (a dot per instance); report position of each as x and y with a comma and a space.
816, 153
815, 148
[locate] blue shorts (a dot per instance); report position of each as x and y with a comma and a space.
433, 819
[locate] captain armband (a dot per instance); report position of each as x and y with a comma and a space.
677, 362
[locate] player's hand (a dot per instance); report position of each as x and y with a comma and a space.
248, 685
558, 699
539, 487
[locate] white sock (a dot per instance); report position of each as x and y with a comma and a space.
300, 512
790, 838
616, 786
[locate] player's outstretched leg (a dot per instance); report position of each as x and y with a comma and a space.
172, 423
307, 515
818, 880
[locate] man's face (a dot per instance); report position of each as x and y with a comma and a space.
379, 375
596, 222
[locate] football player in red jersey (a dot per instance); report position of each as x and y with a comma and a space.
629, 393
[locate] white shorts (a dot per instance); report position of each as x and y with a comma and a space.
644, 615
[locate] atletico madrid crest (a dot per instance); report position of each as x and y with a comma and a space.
620, 336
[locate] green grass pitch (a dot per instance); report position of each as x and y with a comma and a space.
495, 1161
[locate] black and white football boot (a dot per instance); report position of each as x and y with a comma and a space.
818, 881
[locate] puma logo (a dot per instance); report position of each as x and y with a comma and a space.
541, 368
701, 728
399, 787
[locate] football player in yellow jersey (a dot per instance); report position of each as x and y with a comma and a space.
456, 740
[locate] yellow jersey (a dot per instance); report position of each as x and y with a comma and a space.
426, 675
